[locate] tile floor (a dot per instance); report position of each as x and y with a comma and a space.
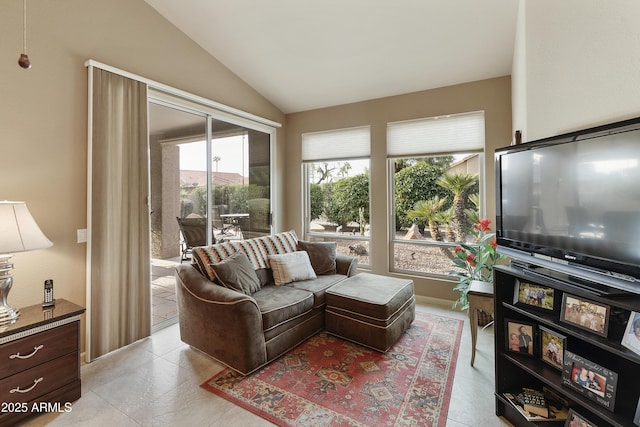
155, 382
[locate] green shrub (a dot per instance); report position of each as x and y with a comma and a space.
413, 184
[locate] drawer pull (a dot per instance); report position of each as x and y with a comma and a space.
33, 353
35, 383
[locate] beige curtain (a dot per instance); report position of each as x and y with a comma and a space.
119, 251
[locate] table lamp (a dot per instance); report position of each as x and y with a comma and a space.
18, 233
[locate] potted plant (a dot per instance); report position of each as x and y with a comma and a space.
475, 261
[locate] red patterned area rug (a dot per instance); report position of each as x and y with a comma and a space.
327, 381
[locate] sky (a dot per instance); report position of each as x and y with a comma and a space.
230, 150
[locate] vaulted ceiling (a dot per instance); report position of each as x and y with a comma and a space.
307, 54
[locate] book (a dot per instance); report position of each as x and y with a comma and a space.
533, 402
556, 408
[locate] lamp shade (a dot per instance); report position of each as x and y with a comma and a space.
18, 230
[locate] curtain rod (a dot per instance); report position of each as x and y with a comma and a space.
182, 94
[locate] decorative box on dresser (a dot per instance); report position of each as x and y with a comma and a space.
40, 361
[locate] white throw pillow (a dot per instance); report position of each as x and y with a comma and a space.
291, 267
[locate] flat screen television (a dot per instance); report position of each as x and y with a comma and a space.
573, 200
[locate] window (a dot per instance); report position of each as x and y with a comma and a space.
436, 169
336, 188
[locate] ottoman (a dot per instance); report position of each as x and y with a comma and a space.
371, 310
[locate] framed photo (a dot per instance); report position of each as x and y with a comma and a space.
519, 337
631, 337
590, 379
585, 314
552, 345
576, 420
534, 295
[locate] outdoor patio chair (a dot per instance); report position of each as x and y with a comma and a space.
218, 222
194, 233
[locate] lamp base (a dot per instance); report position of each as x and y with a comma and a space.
8, 315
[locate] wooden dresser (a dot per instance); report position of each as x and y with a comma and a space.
40, 361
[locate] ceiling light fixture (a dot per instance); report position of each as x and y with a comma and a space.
23, 61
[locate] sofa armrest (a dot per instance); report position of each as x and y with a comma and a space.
347, 265
203, 289
221, 322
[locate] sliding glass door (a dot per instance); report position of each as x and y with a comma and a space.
208, 168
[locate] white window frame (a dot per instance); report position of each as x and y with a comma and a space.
334, 145
408, 149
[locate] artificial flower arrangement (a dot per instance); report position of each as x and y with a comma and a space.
475, 261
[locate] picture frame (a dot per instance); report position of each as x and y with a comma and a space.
533, 295
593, 381
631, 336
585, 314
576, 420
551, 345
520, 337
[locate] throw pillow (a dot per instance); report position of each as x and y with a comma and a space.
291, 267
237, 273
321, 254
205, 256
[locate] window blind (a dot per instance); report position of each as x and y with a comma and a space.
436, 135
339, 144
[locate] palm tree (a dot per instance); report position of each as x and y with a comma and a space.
216, 159
473, 214
446, 217
426, 210
458, 184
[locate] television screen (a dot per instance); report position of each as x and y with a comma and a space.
575, 197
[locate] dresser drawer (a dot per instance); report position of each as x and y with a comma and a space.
42, 379
25, 353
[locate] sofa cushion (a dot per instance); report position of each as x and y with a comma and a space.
321, 254
257, 250
254, 250
280, 304
318, 286
371, 296
280, 243
237, 273
291, 267
265, 276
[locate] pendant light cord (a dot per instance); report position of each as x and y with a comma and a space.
24, 26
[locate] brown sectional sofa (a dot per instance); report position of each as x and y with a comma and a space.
244, 328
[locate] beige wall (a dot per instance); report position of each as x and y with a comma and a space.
43, 114
575, 65
519, 74
493, 96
